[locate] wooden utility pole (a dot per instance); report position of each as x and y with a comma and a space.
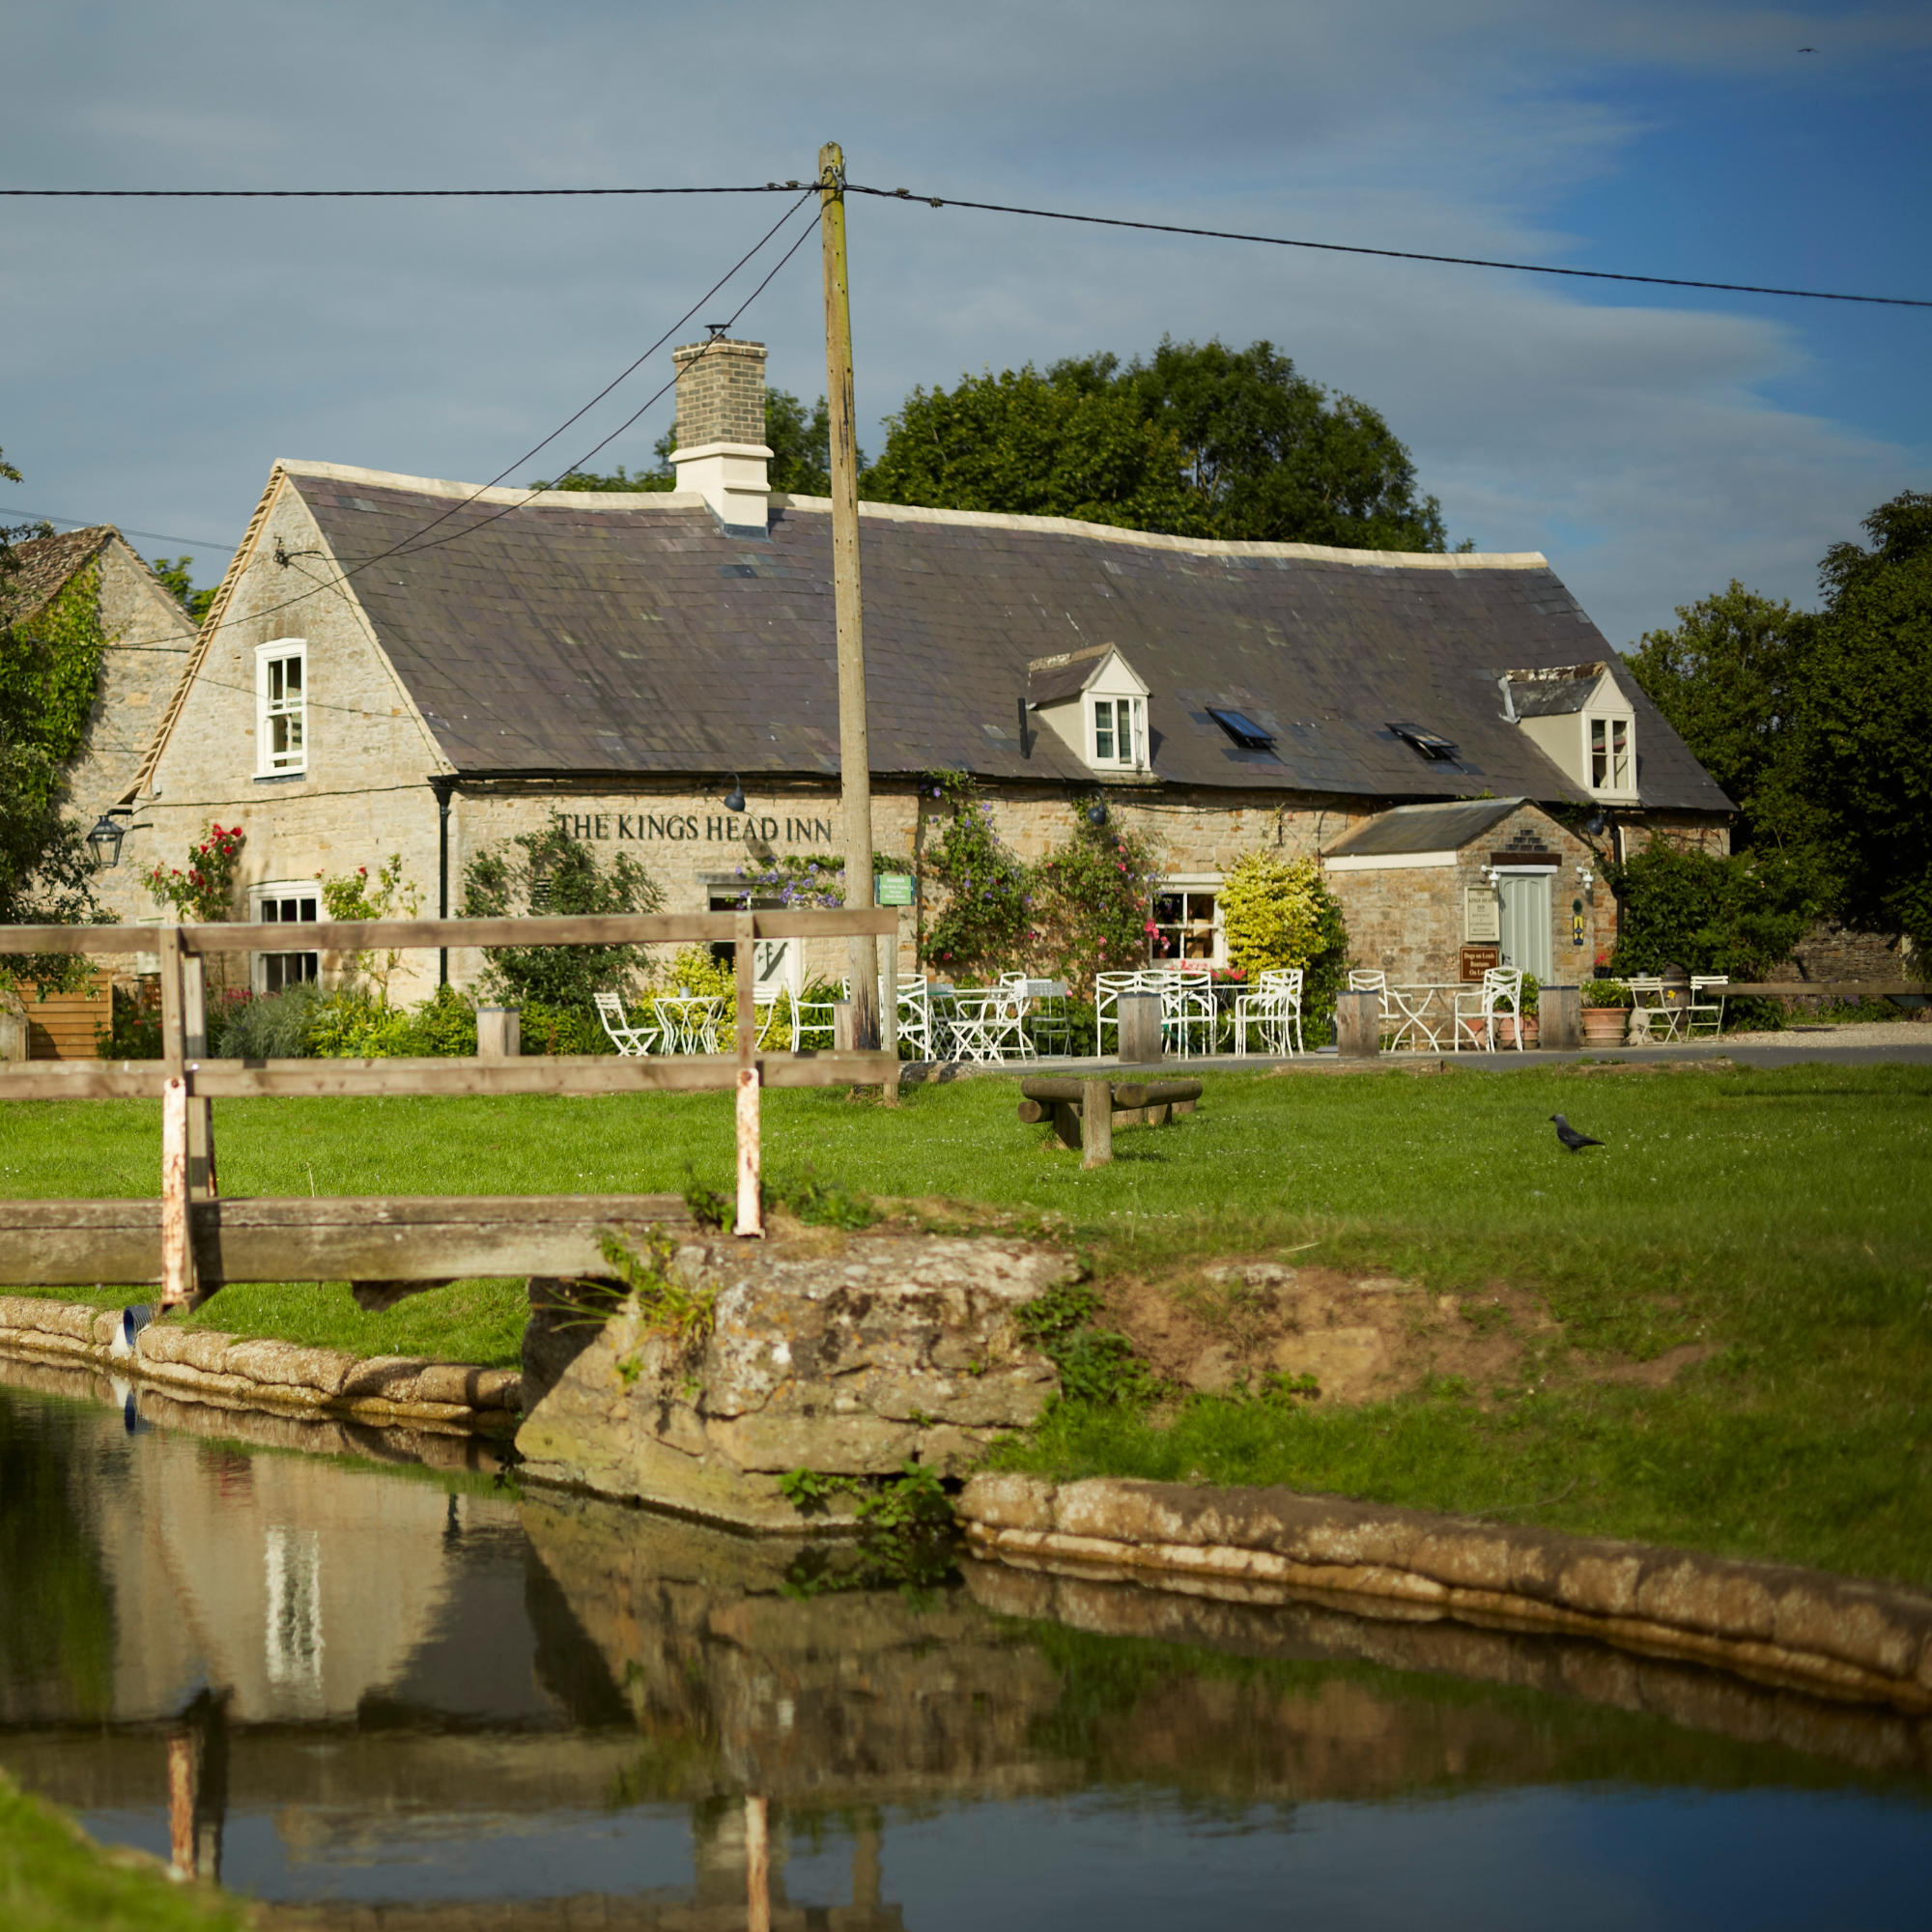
855, 769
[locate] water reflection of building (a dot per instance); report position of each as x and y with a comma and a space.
521, 1665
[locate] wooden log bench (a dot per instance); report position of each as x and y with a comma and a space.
1085, 1111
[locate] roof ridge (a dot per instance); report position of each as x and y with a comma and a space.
911, 513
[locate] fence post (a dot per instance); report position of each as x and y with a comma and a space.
1097, 1121
1140, 1038
1358, 1024
888, 1009
500, 1033
1559, 1014
201, 1180
750, 1222
176, 1241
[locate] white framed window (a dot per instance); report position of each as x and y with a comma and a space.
1120, 732
281, 707
1610, 755
284, 905
1187, 924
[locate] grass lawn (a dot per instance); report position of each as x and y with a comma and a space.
1783, 1219
52, 1879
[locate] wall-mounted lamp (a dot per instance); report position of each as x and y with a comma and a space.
1491, 876
1596, 825
734, 799
1585, 877
105, 842
1097, 813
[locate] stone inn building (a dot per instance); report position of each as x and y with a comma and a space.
400, 664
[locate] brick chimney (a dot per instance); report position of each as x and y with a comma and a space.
721, 450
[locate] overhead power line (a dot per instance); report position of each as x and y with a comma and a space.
367, 193
1389, 254
954, 201
88, 524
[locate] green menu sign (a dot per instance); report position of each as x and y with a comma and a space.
892, 889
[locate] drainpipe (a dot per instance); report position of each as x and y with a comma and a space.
443, 786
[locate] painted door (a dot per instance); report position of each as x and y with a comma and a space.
1525, 922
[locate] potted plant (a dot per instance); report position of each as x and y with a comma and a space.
1605, 1007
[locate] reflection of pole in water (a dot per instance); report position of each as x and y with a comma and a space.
198, 1788
866, 1861
757, 1866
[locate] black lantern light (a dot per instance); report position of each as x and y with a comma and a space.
734, 799
1097, 813
105, 842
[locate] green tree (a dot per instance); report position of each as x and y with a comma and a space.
1269, 456
173, 571
1198, 439
1819, 724
50, 666
1739, 915
550, 873
1068, 444
1727, 678
1865, 720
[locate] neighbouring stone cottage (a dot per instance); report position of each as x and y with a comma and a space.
398, 664
102, 618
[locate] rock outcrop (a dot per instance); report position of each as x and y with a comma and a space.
844, 1353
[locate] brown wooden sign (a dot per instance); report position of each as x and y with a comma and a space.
1480, 959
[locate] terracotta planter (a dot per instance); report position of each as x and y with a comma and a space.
1506, 1031
1603, 1026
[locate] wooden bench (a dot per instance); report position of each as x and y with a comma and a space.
1085, 1111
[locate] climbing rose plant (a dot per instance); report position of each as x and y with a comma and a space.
984, 921
351, 895
200, 893
1093, 899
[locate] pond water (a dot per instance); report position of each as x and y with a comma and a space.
405, 1699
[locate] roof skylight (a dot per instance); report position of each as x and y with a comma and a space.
1242, 728
1430, 745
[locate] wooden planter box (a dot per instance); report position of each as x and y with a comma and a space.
61, 1027
1603, 1026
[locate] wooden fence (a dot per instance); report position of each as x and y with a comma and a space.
45, 1242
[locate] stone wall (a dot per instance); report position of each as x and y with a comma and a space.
1831, 952
148, 639
1413, 920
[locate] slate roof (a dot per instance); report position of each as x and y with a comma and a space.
586, 636
1556, 696
1055, 679
45, 564
1424, 828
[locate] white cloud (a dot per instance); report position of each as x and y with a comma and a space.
163, 353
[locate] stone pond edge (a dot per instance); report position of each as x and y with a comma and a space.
1805, 1628
204, 1364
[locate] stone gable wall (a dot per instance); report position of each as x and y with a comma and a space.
149, 636
365, 793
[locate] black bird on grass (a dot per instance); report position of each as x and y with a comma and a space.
1570, 1137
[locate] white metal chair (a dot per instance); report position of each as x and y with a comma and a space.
1048, 1026
989, 1024
1186, 1007
1477, 1007
1707, 1003
1651, 1019
1107, 990
1274, 1007
772, 1007
634, 1041
814, 1017
915, 998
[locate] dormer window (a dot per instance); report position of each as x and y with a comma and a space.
1609, 754
1580, 717
1095, 703
1120, 732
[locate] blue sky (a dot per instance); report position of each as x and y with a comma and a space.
1653, 443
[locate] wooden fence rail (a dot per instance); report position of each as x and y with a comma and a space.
287, 1237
